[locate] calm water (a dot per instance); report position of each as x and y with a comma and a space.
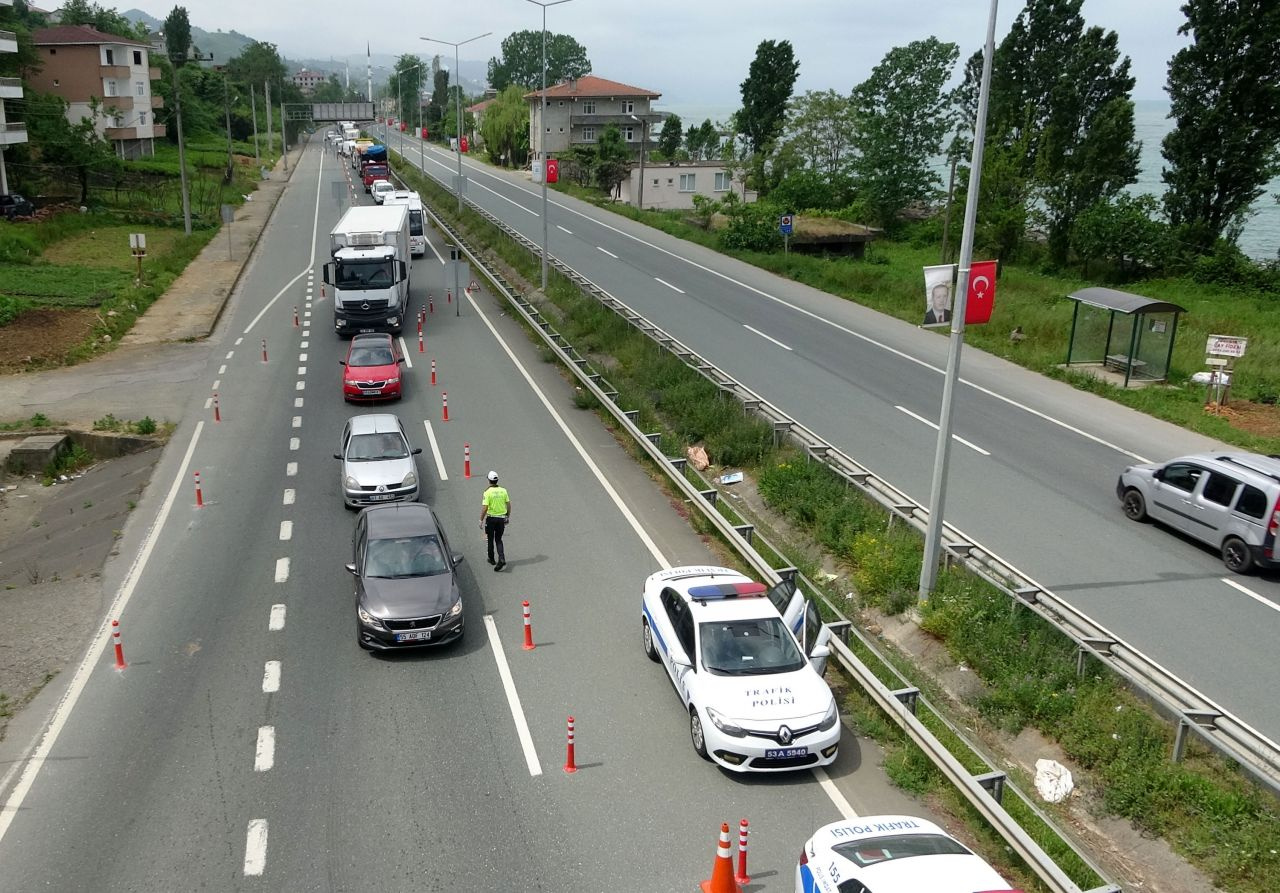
1261, 236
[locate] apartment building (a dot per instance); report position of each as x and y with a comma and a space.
579, 109
11, 132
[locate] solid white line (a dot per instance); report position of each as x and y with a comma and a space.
829, 786
255, 848
934, 426
271, 669
222, 370
435, 450
487, 189
264, 754
1253, 595
99, 644
513, 698
563, 230
276, 623
297, 421
291, 469
286, 531
302, 357
606, 251
282, 570
669, 285
294, 443
765, 337
404, 352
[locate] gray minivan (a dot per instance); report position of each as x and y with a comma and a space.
1230, 501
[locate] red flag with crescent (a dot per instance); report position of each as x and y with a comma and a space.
982, 293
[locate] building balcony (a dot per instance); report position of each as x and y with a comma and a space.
113, 72
131, 133
123, 103
8, 42
159, 131
13, 133
10, 88
157, 102
153, 74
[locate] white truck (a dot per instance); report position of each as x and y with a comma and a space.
417, 219
370, 269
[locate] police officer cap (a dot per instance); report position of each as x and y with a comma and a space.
493, 477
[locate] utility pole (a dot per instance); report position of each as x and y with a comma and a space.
271, 140
253, 106
458, 76
284, 138
542, 132
226, 110
182, 155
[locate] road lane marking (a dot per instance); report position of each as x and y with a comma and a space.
297, 421
302, 357
255, 848
222, 370
230, 354
276, 623
435, 450
303, 346
669, 285
286, 531
513, 698
217, 382
1253, 595
404, 352
271, 669
282, 570
294, 443
765, 337
607, 251
291, 470
563, 230
302, 370
31, 767
829, 786
238, 340
208, 401
301, 386
306, 314
934, 426
290, 495
264, 753
297, 403
487, 189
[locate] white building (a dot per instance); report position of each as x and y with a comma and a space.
13, 133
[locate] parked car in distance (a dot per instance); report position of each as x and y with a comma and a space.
14, 205
371, 370
406, 579
377, 461
381, 189
1228, 501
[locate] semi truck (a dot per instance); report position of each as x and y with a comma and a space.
417, 219
374, 166
369, 270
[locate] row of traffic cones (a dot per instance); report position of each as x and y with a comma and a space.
723, 878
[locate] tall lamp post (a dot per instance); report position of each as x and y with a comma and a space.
458, 76
177, 62
542, 132
400, 103
644, 138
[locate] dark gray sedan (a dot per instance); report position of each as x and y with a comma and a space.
406, 581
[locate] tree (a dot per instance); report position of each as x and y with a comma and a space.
1123, 230
406, 80
1225, 96
521, 60
821, 134
505, 128
702, 141
257, 64
613, 160
177, 36
439, 105
108, 21
71, 147
671, 136
329, 91
766, 92
903, 114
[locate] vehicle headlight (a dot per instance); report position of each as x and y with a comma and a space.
395, 380
724, 725
350, 483
393, 321
456, 608
832, 717
368, 618
409, 480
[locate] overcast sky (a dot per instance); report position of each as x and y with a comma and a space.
694, 52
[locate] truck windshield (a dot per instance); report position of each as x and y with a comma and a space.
415, 223
365, 274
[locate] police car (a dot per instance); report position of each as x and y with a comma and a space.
892, 854
747, 662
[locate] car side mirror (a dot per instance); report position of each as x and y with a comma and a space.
681, 661
400, 360
416, 450
351, 569
342, 362
337, 455
820, 652
457, 560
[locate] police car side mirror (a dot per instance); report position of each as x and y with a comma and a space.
416, 450
820, 652
681, 661
351, 569
457, 560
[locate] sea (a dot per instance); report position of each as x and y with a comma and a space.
1260, 238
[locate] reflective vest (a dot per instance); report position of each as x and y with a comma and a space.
495, 502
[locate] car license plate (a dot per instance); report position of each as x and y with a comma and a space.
381, 497
365, 331
420, 635
371, 392
785, 753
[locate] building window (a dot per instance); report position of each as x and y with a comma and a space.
629, 134
111, 57
111, 88
687, 182
137, 57
139, 88
589, 107
57, 82
723, 180
628, 106
142, 119
588, 134
655, 181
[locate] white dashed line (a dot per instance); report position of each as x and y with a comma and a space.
222, 370
563, 230
216, 383
304, 344
513, 698
302, 358
276, 623
301, 386
296, 421
302, 370
208, 401
435, 451
294, 443
306, 333
765, 337
306, 313
230, 354
238, 340
297, 403
611, 254
282, 570
1253, 595
934, 426
669, 285
290, 495
286, 531
291, 469
271, 669
255, 848
264, 755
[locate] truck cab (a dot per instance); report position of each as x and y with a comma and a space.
369, 269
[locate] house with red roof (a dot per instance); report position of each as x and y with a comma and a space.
579, 109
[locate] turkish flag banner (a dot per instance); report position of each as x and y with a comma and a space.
982, 293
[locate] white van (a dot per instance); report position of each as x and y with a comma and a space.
417, 219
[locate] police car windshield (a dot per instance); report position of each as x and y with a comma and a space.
752, 647
883, 849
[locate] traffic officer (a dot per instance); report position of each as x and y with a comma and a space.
495, 514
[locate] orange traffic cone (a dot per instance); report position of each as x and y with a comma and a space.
722, 872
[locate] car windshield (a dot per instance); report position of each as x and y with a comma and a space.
751, 647
364, 274
371, 447
415, 223
902, 846
408, 556
371, 355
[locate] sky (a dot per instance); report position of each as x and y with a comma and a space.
694, 52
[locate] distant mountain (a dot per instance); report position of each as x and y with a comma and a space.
224, 45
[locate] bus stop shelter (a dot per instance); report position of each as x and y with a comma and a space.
1123, 333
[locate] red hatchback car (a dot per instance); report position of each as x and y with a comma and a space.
372, 369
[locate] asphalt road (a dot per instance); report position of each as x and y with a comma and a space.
251, 744
1033, 467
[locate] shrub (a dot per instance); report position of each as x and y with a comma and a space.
11, 308
752, 227
18, 244
146, 425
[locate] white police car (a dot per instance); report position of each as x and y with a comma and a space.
892, 854
732, 647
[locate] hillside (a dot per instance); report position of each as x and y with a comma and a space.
224, 45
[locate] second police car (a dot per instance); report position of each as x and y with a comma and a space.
733, 649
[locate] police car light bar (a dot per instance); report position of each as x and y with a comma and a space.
727, 590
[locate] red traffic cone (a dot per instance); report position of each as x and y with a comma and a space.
722, 872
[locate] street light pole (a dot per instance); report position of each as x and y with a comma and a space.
542, 132
458, 75
182, 155
253, 106
644, 138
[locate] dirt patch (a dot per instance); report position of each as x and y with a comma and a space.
41, 338
1261, 419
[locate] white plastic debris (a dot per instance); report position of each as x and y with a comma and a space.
1053, 781
1224, 378
734, 477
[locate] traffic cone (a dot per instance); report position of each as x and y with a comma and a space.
722, 872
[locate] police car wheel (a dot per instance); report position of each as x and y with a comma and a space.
649, 650
696, 735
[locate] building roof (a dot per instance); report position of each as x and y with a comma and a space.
1123, 301
81, 34
593, 87
480, 106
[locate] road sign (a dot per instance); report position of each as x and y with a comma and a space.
1226, 346
475, 286
784, 224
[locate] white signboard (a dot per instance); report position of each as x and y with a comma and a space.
138, 244
1226, 346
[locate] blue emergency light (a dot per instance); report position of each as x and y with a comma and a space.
727, 590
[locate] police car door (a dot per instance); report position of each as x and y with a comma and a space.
678, 655
802, 618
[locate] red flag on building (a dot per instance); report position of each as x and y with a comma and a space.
982, 293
